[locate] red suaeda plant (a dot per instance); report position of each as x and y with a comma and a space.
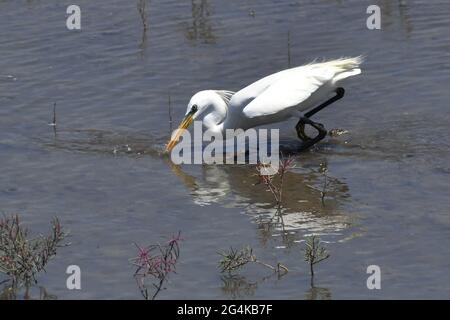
156, 261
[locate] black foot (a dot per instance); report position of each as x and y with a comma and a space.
300, 127
307, 141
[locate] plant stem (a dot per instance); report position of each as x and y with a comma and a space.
170, 114
289, 48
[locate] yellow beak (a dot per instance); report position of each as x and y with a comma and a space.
176, 135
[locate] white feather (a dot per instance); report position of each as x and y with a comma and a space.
294, 89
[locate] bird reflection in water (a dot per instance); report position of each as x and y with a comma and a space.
303, 207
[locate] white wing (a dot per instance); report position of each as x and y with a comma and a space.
289, 88
287, 92
247, 94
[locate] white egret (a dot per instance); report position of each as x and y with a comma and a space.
274, 98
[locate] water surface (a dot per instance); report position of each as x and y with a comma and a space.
387, 201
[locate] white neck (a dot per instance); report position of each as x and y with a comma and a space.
217, 114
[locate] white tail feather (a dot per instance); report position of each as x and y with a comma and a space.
345, 67
346, 74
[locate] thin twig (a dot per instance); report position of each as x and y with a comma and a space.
141, 6
54, 115
170, 114
289, 48
325, 185
143, 15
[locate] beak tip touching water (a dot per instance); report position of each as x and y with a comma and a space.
170, 145
178, 132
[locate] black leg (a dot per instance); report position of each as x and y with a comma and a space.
339, 94
300, 127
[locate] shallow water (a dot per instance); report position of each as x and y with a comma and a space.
387, 200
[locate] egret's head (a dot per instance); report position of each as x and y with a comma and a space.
199, 106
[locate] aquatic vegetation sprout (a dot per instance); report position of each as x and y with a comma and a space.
314, 252
233, 260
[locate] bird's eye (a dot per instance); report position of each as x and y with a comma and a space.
194, 108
